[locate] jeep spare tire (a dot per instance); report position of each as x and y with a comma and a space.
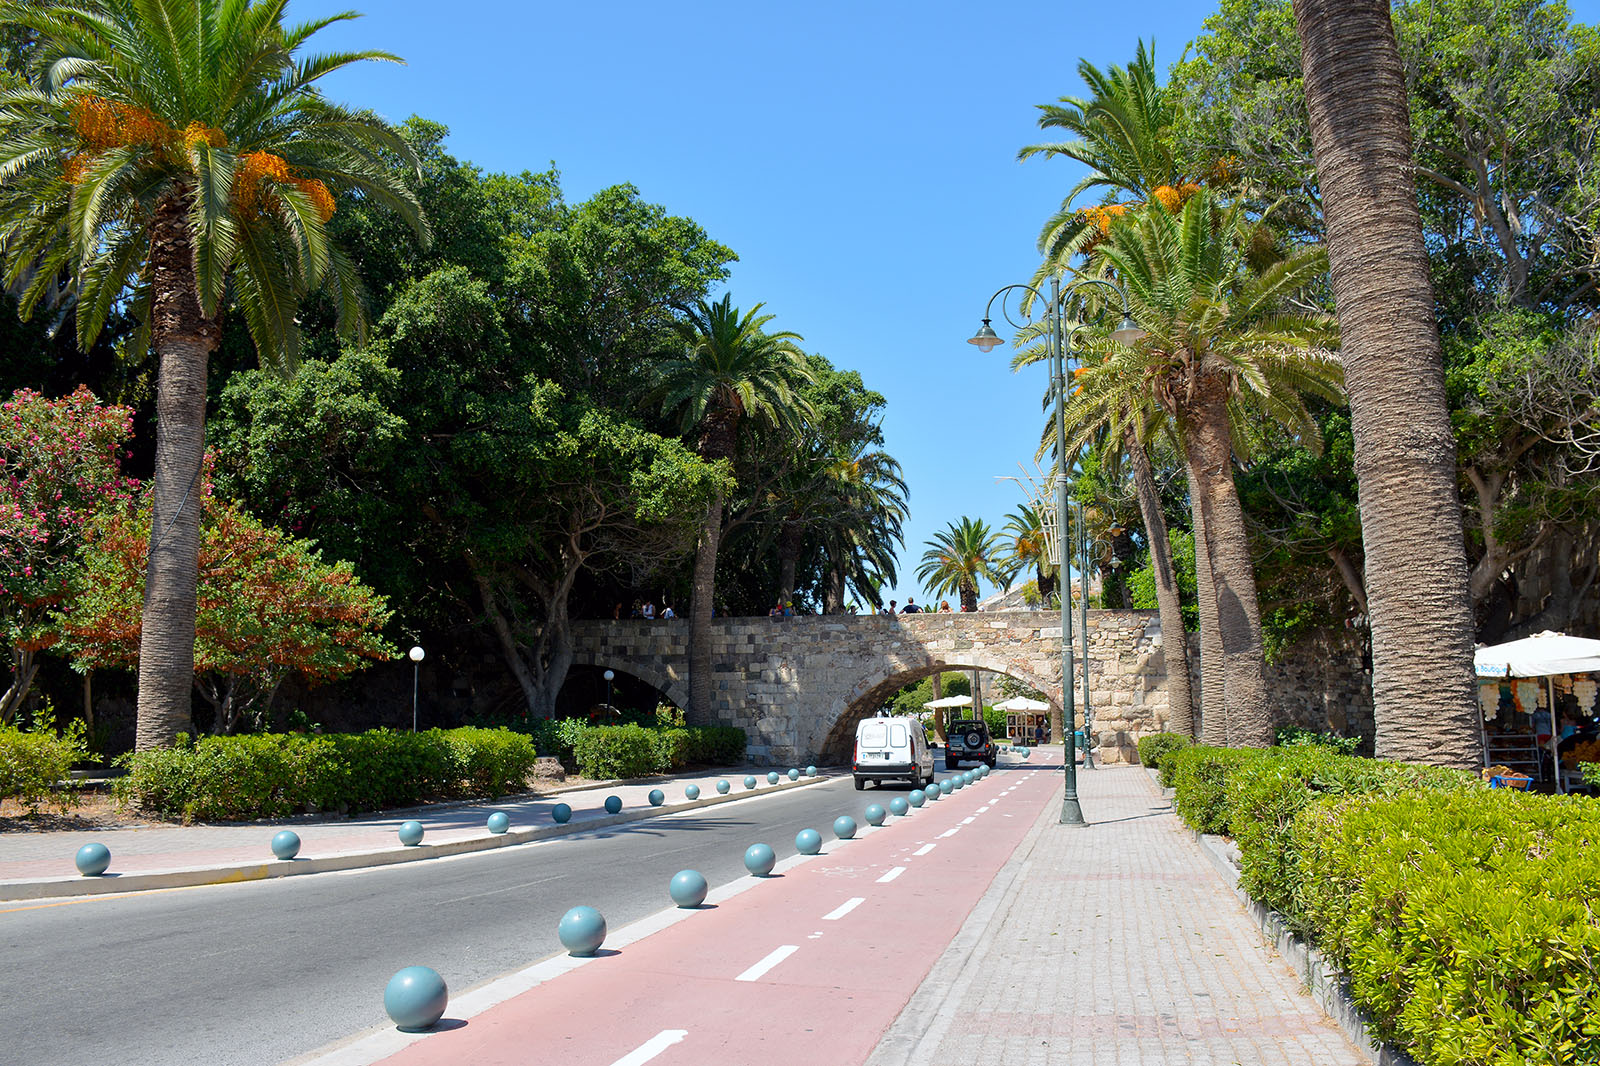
974, 740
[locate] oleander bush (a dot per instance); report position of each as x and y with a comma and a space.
270, 775
1154, 749
36, 763
1466, 923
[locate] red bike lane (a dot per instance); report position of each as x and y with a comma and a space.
816, 962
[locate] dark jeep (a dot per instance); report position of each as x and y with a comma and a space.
969, 742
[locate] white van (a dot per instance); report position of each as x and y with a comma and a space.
892, 748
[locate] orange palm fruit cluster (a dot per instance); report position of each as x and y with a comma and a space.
103, 124
199, 133
319, 196
1173, 199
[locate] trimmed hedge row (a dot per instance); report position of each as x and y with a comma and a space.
611, 751
272, 775
33, 762
1154, 749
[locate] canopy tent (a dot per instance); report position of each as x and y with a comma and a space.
1022, 704
1544, 655
948, 701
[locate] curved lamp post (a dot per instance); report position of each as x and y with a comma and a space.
416, 654
987, 340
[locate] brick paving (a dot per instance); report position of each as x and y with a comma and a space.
1114, 945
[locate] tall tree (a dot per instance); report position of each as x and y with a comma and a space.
180, 152
958, 557
1405, 456
730, 370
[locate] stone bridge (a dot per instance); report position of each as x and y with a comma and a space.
798, 686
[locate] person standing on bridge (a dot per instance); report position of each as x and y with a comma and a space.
944, 607
894, 606
911, 606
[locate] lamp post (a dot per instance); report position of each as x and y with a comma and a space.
609, 675
416, 654
987, 340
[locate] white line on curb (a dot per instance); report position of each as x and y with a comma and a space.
844, 908
652, 1047
923, 850
891, 875
759, 970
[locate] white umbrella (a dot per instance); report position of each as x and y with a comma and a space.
1541, 655
1022, 703
948, 701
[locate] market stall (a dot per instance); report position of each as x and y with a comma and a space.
1538, 699
939, 706
1023, 718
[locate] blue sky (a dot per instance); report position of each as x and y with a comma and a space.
859, 157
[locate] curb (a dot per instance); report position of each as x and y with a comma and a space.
192, 877
1323, 981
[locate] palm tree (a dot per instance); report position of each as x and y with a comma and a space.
957, 557
1405, 455
1025, 547
177, 155
730, 370
867, 508
1223, 341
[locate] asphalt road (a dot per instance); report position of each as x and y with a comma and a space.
257, 973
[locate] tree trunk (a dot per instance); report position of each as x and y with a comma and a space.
969, 596
184, 339
1208, 448
24, 667
791, 537
1423, 685
705, 577
510, 649
1213, 692
1174, 639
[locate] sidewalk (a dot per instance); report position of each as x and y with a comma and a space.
40, 865
1119, 943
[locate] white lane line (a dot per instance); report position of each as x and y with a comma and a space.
923, 850
969, 819
844, 908
759, 970
891, 875
951, 832
986, 806
652, 1047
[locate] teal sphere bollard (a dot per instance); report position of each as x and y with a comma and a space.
657, 797
285, 844
844, 827
794, 775
415, 998
968, 778
759, 859
811, 771
613, 804
917, 797
749, 782
772, 777
410, 833
582, 930
722, 788
688, 888
561, 813
875, 814
899, 807
499, 822
945, 788
92, 859
934, 791
808, 842
691, 792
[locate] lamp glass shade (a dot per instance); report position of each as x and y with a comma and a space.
986, 338
1127, 331
416, 655
608, 675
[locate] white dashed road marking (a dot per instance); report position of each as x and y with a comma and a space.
891, 875
844, 908
759, 970
951, 832
968, 820
923, 850
652, 1047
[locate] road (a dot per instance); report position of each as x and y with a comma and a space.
256, 973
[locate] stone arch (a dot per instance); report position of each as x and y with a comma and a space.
674, 690
835, 730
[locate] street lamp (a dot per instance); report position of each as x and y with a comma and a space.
609, 675
416, 654
987, 340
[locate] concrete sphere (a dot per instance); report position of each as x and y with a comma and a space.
410, 833
657, 797
935, 790
794, 775
875, 814
749, 782
582, 931
811, 771
899, 807
808, 842
946, 787
561, 813
688, 888
613, 804
722, 788
968, 778
772, 777
415, 998
92, 859
691, 792
286, 844
844, 827
917, 797
759, 859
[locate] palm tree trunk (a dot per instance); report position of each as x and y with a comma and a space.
1213, 692
705, 574
184, 339
791, 537
1405, 453
1175, 641
1208, 448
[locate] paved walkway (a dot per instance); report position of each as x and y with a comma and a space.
1115, 944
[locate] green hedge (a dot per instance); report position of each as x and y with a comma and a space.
1154, 749
273, 775
1200, 775
611, 751
1466, 923
34, 762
